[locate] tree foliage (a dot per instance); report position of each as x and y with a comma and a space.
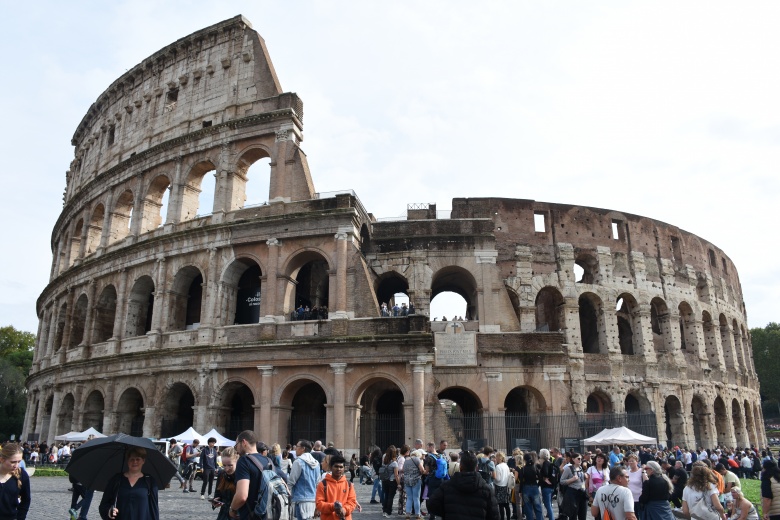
16, 355
766, 356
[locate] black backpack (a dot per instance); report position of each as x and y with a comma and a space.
483, 467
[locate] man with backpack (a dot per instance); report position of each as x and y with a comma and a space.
614, 501
253, 492
485, 466
436, 469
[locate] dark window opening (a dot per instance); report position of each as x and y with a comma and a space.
206, 124
170, 100
676, 252
111, 135
723, 262
713, 261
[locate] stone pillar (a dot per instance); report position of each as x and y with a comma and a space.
68, 325
54, 422
268, 305
487, 302
267, 373
343, 238
418, 396
29, 415
84, 235
339, 369
109, 415
121, 307
105, 233
38, 425
212, 293
493, 379
159, 313
644, 336
78, 408
91, 288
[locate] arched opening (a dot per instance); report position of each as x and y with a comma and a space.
308, 415
586, 268
310, 299
598, 403
464, 413
700, 416
448, 306
105, 315
632, 404
186, 298
198, 191
237, 413
639, 414
78, 320
93, 411
710, 339
722, 418
95, 230
252, 181
674, 421
388, 286
75, 242
130, 415
660, 325
154, 203
523, 407
739, 352
549, 310
46, 421
242, 292
382, 415
121, 217
726, 342
688, 341
628, 322
739, 426
592, 330
60, 326
177, 410
454, 279
66, 415
140, 306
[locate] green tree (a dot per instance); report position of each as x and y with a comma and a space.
766, 356
16, 355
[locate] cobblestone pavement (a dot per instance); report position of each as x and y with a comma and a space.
51, 500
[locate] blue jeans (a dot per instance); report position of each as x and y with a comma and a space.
378, 487
532, 503
547, 500
413, 498
85, 503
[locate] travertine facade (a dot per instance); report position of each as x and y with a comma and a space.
154, 322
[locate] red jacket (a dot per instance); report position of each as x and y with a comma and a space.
331, 490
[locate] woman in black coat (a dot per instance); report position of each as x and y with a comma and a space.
656, 492
131, 495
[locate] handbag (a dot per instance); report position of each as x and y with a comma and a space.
702, 510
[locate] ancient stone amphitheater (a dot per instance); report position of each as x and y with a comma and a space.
154, 321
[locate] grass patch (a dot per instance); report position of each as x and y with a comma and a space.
49, 472
752, 491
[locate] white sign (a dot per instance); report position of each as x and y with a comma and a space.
455, 350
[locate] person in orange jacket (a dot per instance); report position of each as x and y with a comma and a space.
335, 494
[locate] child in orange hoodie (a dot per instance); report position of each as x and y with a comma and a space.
335, 494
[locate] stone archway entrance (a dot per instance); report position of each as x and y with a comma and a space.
464, 412
382, 416
177, 412
308, 416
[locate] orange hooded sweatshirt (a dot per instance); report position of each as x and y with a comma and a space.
331, 490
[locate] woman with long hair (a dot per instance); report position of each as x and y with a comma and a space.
226, 484
501, 486
532, 499
413, 472
390, 483
547, 482
14, 483
656, 492
575, 501
376, 463
133, 494
701, 493
770, 489
597, 475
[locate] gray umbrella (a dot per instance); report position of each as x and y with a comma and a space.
95, 462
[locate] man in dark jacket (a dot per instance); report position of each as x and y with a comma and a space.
466, 496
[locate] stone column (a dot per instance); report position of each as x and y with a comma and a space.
121, 305
212, 293
268, 305
109, 415
267, 373
339, 369
342, 240
39, 416
105, 232
29, 415
418, 396
487, 306
84, 235
91, 288
78, 408
54, 422
159, 312
149, 421
493, 379
68, 325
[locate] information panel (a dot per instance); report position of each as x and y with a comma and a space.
455, 350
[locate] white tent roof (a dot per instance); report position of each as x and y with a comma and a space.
621, 436
78, 436
188, 436
221, 441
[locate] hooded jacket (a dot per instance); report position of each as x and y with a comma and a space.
304, 475
465, 496
330, 490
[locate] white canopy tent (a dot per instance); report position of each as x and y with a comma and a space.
78, 436
621, 436
188, 436
221, 440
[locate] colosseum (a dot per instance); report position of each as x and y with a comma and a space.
160, 314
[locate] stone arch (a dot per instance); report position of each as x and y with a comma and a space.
176, 409
192, 188
95, 230
464, 409
738, 422
47, 420
598, 403
660, 324
310, 270
121, 217
65, 422
726, 342
688, 340
523, 408
78, 321
186, 299
588, 263
674, 421
75, 242
524, 400
129, 410
246, 158
94, 407
722, 418
460, 281
710, 339
388, 285
592, 325
306, 402
241, 283
140, 307
629, 325
236, 412
381, 412
700, 414
550, 311
636, 402
104, 315
152, 204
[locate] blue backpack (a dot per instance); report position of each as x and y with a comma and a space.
441, 467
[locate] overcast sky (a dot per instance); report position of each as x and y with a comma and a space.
663, 109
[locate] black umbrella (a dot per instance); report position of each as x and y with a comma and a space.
95, 462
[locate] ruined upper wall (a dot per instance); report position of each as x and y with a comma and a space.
214, 75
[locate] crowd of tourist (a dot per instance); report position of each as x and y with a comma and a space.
304, 312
